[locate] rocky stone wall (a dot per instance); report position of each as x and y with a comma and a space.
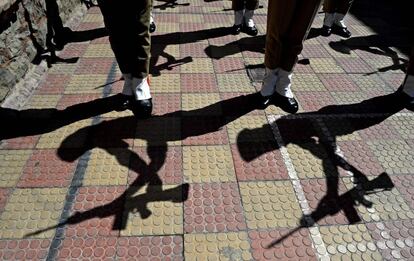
26, 31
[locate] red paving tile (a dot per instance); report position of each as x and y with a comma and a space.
100, 248
213, 207
45, 169
25, 249
53, 84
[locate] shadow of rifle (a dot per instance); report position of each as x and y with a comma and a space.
346, 202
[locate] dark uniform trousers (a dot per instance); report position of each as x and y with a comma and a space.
410, 68
288, 22
337, 6
238, 5
127, 22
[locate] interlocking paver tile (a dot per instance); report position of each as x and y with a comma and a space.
258, 161
98, 51
86, 83
148, 213
63, 68
349, 242
53, 84
165, 162
169, 83
270, 204
307, 82
158, 131
229, 65
165, 103
404, 184
338, 82
316, 191
395, 156
48, 101
194, 50
296, 247
404, 126
381, 131
255, 129
213, 207
221, 246
32, 210
4, 195
199, 104
354, 65
198, 83
45, 169
25, 249
198, 65
234, 83
107, 167
95, 66
393, 239
370, 82
207, 131
315, 51
358, 154
12, 165
313, 101
93, 212
208, 164
325, 65
98, 248
394, 80
386, 206
311, 160
26, 142
68, 100
156, 247
58, 138
73, 50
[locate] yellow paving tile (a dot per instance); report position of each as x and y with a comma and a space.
98, 51
31, 210
166, 83
270, 204
193, 103
12, 163
198, 65
221, 246
88, 83
208, 164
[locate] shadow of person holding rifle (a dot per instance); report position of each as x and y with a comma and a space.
309, 131
197, 122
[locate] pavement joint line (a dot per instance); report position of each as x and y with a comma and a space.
317, 242
371, 211
310, 115
76, 183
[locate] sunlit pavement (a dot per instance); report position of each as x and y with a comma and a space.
206, 178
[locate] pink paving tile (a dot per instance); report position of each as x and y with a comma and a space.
53, 84
198, 82
68, 100
161, 64
214, 207
338, 82
313, 101
405, 184
298, 246
27, 142
375, 131
358, 154
165, 103
258, 161
150, 248
229, 65
208, 131
95, 65
94, 213
45, 169
88, 26
195, 50
25, 249
99, 248
161, 161
73, 50
315, 191
354, 65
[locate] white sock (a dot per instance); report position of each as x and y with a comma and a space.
152, 19
127, 89
329, 19
141, 88
339, 20
284, 83
269, 82
408, 86
238, 17
248, 17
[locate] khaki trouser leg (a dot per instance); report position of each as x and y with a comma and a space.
288, 23
128, 26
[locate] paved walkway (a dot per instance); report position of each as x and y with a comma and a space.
208, 178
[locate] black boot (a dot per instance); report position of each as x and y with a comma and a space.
326, 31
287, 104
142, 109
